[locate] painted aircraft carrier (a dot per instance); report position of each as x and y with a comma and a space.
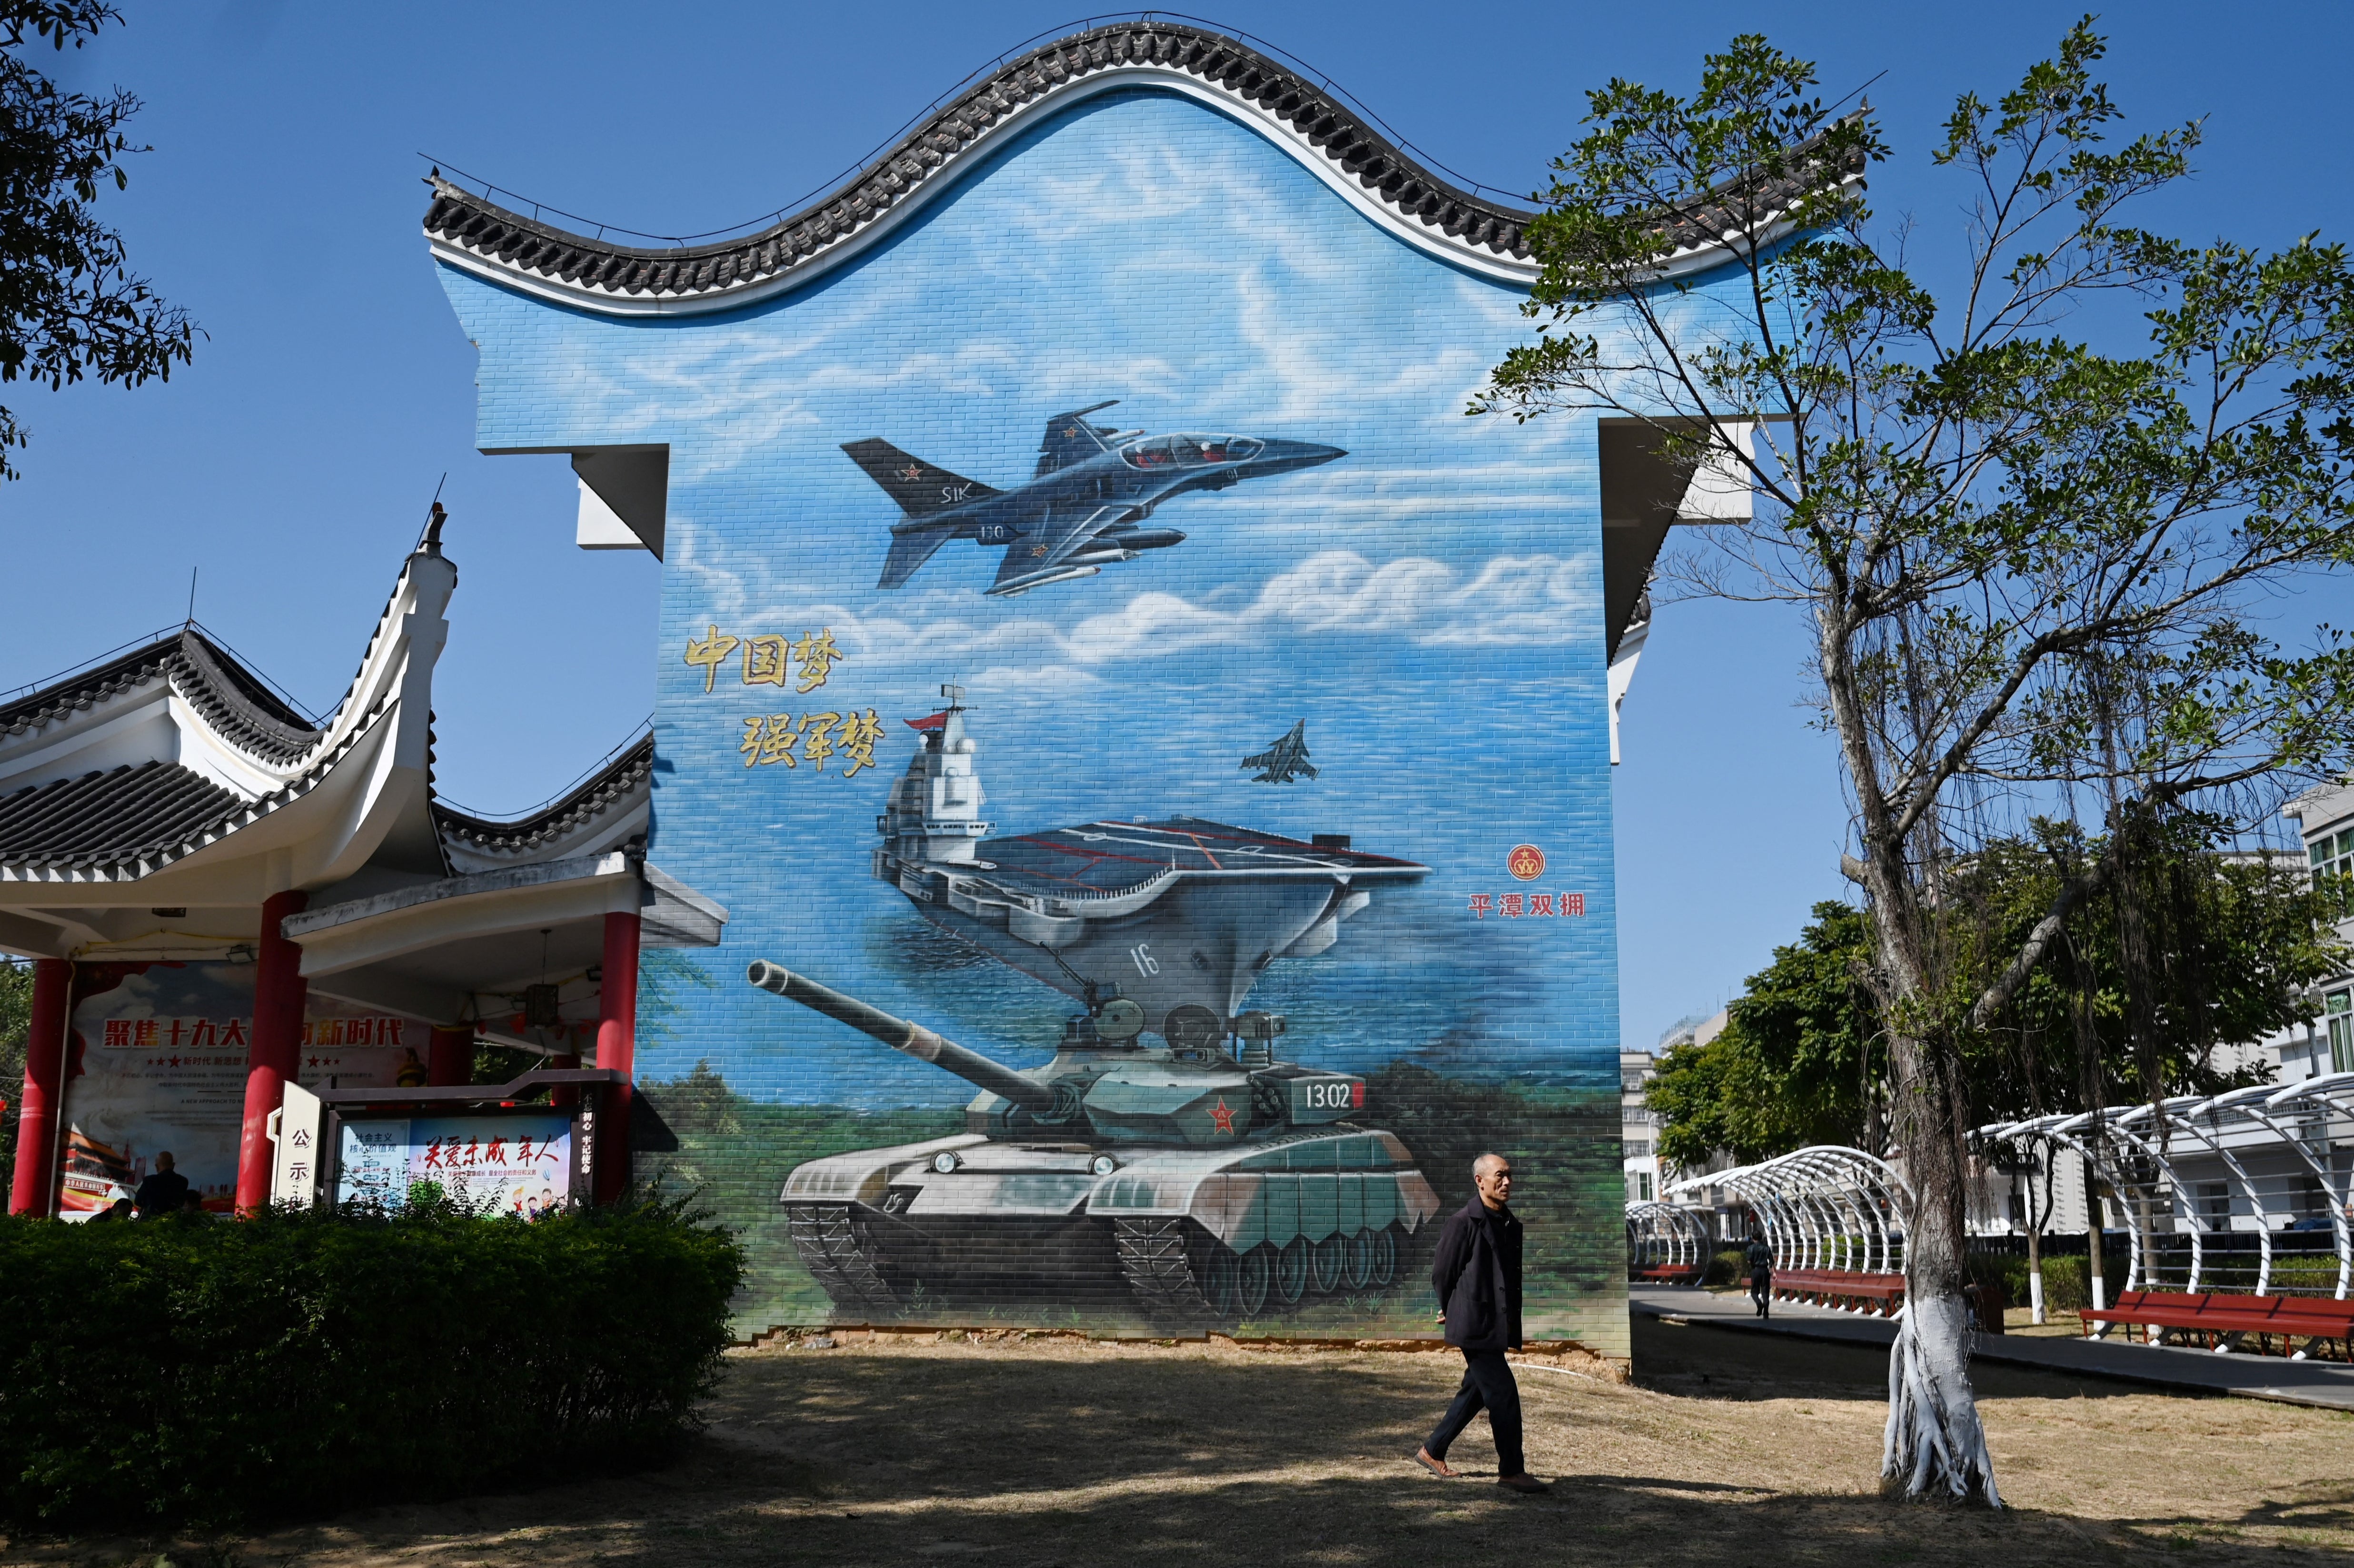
1175, 911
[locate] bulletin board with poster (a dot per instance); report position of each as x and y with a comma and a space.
156, 1062
519, 1161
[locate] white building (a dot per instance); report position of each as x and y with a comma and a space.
1638, 1129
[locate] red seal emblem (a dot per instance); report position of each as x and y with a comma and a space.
1526, 862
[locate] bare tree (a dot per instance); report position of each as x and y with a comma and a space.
2028, 563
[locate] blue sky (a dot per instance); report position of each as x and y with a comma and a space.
292, 463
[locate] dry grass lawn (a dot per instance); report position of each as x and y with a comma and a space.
1729, 1450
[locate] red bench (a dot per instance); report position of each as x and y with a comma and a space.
2215, 1316
1668, 1273
1842, 1288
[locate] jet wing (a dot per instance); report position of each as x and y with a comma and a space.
1069, 439
910, 550
1058, 535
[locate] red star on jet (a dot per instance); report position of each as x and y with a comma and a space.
1223, 1116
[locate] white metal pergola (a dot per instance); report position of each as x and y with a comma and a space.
2270, 1148
1668, 1237
1824, 1207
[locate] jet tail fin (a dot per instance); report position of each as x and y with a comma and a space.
920, 488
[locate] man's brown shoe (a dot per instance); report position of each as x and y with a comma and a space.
1522, 1483
1436, 1467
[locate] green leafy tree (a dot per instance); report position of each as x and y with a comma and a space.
2026, 563
1796, 1063
69, 305
2241, 942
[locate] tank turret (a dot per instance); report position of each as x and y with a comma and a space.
1103, 1085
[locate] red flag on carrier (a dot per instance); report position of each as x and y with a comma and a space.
935, 722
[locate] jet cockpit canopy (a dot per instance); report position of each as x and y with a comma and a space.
1186, 450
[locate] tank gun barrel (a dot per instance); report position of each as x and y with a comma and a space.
899, 1035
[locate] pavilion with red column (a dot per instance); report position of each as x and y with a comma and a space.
165, 816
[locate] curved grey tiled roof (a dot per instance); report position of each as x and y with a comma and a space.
104, 819
233, 702
624, 776
1414, 192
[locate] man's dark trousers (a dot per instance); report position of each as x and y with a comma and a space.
1487, 1385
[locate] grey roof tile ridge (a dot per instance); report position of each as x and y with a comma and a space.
241, 813
1398, 180
591, 799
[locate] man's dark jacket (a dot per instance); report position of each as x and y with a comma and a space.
161, 1193
1476, 1275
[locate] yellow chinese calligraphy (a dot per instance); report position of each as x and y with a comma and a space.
817, 743
764, 659
855, 740
816, 654
770, 739
710, 653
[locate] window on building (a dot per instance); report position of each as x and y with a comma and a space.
1643, 1186
2215, 1204
2338, 1007
1636, 1147
2333, 856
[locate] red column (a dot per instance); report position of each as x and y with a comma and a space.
617, 1043
450, 1059
33, 1190
564, 1097
279, 989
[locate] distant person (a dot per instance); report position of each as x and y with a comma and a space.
1761, 1273
194, 1207
165, 1192
118, 1209
1476, 1275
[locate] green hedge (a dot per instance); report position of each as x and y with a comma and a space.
180, 1371
2067, 1280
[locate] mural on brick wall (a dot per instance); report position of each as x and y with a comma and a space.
1152, 745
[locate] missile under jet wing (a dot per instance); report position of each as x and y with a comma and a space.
1062, 533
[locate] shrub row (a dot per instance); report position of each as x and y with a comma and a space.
181, 1370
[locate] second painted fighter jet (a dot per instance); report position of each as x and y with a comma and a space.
1078, 512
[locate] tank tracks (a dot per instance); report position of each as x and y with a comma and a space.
1159, 1261
833, 1249
1154, 1255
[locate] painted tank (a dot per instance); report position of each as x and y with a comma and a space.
1200, 1177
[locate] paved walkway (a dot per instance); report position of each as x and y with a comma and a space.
2328, 1385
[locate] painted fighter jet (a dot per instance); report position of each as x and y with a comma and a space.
1078, 512
1284, 761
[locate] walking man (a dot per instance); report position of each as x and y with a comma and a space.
1761, 1273
1476, 1275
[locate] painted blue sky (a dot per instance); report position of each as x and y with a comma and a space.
293, 459
1429, 604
